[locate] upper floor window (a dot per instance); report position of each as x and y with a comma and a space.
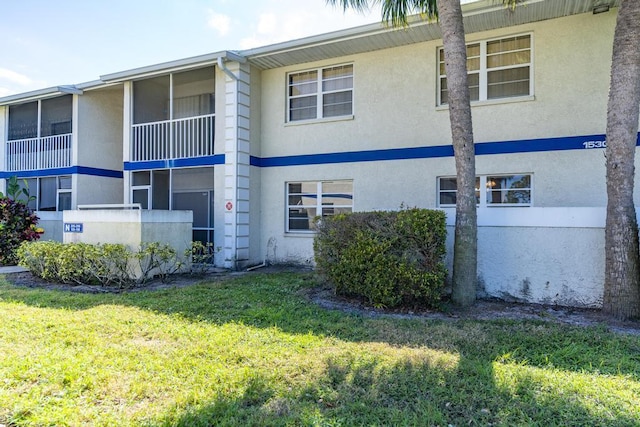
491, 190
321, 93
496, 69
310, 199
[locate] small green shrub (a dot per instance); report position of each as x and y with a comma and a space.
202, 257
18, 224
157, 259
79, 263
389, 258
108, 265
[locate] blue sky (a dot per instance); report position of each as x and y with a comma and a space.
56, 42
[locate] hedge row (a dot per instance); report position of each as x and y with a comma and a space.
110, 265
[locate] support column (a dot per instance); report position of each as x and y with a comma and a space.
237, 166
75, 147
4, 136
127, 120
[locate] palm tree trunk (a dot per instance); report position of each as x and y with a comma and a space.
622, 269
465, 245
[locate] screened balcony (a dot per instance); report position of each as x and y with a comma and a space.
39, 135
174, 116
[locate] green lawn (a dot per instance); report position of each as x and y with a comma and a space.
253, 351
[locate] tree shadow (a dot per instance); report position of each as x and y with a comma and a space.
278, 300
411, 393
494, 381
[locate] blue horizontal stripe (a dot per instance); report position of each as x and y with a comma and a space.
216, 159
85, 170
356, 156
71, 170
482, 148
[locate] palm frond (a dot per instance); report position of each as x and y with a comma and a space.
397, 12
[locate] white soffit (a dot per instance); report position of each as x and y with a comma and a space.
479, 16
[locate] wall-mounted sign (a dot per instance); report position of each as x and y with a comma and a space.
229, 206
73, 227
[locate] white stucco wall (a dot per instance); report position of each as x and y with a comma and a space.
395, 107
110, 190
256, 252
131, 228
51, 223
541, 255
100, 121
395, 94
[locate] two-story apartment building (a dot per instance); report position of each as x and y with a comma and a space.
258, 143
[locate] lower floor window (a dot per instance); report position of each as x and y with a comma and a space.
310, 199
52, 193
491, 190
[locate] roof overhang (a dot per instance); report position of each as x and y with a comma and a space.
41, 94
479, 16
172, 66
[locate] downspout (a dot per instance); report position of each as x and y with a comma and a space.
225, 69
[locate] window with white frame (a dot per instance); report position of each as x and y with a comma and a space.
320, 93
491, 190
310, 199
499, 68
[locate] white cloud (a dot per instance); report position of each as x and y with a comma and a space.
219, 22
284, 20
5, 92
14, 77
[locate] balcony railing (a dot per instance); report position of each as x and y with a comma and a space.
39, 153
173, 139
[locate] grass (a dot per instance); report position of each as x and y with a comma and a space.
253, 351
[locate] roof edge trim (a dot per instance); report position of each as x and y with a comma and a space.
34, 95
171, 66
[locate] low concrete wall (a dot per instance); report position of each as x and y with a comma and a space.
129, 227
540, 255
51, 222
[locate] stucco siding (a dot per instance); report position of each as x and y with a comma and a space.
100, 122
110, 190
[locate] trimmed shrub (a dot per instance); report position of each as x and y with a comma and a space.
78, 263
18, 224
388, 258
107, 265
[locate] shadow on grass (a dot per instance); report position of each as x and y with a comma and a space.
410, 393
268, 300
367, 391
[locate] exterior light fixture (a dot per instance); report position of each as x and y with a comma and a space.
600, 8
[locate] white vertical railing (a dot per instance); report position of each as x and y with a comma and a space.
150, 141
173, 139
55, 151
39, 153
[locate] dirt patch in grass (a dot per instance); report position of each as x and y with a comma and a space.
324, 297
486, 309
26, 279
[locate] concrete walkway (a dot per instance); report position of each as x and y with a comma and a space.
12, 269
